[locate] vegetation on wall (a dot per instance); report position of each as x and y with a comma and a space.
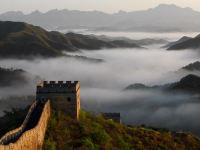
94, 133
12, 120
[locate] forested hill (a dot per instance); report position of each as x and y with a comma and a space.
22, 40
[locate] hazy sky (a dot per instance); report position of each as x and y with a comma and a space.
102, 5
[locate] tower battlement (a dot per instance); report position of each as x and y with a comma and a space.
58, 87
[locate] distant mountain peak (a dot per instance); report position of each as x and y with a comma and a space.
122, 12
189, 8
184, 37
167, 5
190, 43
13, 13
193, 66
162, 18
137, 86
190, 79
198, 36
52, 11
189, 84
164, 7
36, 12
56, 11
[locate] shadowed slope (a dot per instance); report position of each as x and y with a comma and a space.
21, 40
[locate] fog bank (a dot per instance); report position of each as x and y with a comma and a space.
102, 84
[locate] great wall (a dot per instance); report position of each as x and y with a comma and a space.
22, 138
57, 96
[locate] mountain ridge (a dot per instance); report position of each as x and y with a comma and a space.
22, 40
195, 66
190, 43
160, 6
154, 19
10, 77
189, 84
183, 39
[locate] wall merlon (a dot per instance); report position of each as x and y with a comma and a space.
45, 82
60, 82
68, 82
59, 86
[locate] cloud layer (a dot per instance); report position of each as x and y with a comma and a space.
102, 84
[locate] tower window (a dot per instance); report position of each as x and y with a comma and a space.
69, 99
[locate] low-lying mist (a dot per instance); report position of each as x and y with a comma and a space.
171, 36
177, 112
102, 84
120, 68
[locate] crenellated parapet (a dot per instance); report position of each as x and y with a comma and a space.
58, 87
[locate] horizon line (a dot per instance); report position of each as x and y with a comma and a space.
94, 10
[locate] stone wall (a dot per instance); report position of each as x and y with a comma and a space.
17, 132
32, 139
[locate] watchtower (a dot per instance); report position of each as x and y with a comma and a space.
64, 96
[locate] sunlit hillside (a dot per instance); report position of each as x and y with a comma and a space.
94, 132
